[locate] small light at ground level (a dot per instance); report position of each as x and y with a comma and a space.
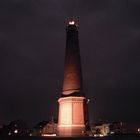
9, 133
16, 131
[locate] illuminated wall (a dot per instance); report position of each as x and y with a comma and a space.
71, 116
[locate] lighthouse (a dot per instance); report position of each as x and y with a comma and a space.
72, 102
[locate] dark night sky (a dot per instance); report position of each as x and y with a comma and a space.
32, 48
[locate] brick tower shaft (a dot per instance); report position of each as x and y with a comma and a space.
72, 69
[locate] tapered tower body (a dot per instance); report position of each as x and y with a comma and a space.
71, 117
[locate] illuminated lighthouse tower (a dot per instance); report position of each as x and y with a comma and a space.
71, 119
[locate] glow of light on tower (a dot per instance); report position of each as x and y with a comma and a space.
70, 91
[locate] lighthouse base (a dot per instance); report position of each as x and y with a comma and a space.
71, 119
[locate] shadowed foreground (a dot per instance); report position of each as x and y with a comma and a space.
115, 137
